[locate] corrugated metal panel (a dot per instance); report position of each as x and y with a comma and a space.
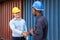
0, 21
52, 14
59, 19
6, 16
51, 11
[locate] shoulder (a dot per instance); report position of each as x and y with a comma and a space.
22, 20
12, 20
42, 18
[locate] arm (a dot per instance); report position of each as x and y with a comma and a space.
39, 30
25, 28
12, 27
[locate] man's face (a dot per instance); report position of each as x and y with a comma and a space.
34, 11
18, 15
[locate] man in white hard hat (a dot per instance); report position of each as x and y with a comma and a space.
18, 25
41, 26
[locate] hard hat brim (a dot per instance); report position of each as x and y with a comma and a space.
38, 9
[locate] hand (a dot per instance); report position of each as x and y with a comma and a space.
24, 34
31, 31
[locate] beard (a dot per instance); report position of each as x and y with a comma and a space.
35, 15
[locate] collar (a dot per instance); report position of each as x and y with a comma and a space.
39, 15
18, 19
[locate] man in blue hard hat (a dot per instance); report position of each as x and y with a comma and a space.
41, 26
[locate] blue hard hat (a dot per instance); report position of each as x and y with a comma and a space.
38, 5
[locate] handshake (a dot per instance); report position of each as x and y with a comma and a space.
26, 33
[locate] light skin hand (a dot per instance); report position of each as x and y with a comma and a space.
25, 34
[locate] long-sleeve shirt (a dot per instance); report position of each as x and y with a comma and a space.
41, 28
18, 26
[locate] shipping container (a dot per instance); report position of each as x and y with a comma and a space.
51, 11
6, 16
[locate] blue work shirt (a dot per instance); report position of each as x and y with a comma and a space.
41, 28
18, 26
